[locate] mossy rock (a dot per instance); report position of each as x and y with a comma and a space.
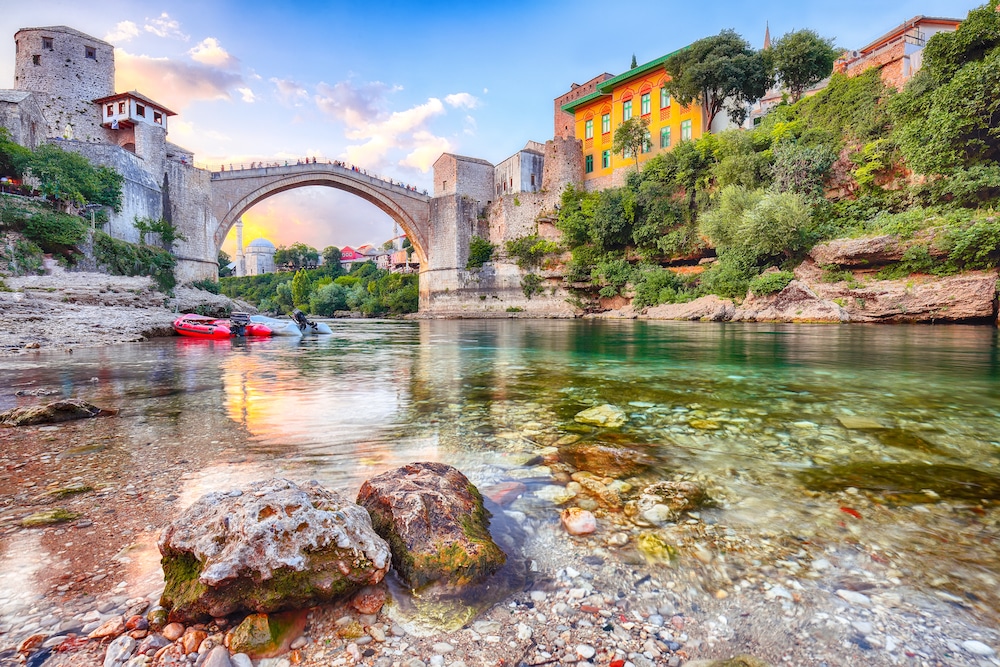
435, 523
274, 546
267, 635
48, 517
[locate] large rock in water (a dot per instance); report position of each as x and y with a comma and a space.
433, 518
270, 546
59, 411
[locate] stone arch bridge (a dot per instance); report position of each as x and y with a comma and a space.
234, 192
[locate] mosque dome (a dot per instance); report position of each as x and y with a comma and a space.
260, 243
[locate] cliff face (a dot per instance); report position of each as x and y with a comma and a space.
967, 298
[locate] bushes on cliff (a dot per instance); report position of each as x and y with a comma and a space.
71, 178
120, 258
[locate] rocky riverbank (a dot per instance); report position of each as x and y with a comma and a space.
686, 570
64, 310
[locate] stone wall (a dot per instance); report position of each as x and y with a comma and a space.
142, 196
521, 172
188, 206
563, 164
75, 70
21, 115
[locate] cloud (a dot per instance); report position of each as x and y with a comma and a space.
247, 95
290, 93
462, 100
363, 109
174, 83
353, 104
164, 26
210, 52
122, 32
428, 148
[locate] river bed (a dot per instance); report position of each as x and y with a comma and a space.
842, 462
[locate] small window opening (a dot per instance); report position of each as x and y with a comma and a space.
140, 110
158, 118
47, 43
36, 60
121, 107
90, 52
111, 110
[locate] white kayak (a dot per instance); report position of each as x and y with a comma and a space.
277, 326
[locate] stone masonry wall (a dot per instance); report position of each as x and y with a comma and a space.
66, 77
188, 206
23, 119
141, 193
563, 164
889, 61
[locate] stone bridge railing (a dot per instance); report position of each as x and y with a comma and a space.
274, 168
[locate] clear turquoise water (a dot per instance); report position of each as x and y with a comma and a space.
756, 408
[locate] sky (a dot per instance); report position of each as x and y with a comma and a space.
389, 86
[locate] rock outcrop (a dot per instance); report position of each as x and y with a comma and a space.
859, 253
270, 546
51, 413
434, 520
796, 303
710, 308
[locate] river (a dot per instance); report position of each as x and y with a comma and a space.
818, 443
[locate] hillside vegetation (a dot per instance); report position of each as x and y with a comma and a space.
856, 159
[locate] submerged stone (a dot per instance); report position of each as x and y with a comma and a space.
605, 460
434, 520
267, 635
272, 546
59, 411
907, 482
655, 549
608, 416
855, 422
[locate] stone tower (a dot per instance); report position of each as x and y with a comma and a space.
69, 69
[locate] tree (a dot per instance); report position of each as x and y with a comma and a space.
298, 255
14, 158
801, 59
631, 136
331, 261
70, 179
224, 261
720, 72
301, 286
634, 63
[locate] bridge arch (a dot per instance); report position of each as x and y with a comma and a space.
235, 192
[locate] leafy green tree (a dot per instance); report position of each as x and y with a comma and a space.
14, 158
576, 215
634, 63
331, 261
224, 261
614, 217
630, 137
948, 116
719, 72
328, 299
301, 286
71, 179
802, 59
296, 256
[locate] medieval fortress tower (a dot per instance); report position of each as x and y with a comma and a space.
64, 92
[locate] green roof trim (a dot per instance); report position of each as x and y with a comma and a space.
570, 107
606, 86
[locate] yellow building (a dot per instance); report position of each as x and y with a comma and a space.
638, 92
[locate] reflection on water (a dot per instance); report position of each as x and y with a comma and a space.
751, 405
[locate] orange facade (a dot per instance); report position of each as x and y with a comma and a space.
640, 92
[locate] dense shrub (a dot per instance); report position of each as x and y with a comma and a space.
771, 282
207, 285
328, 299
655, 285
126, 259
529, 251
480, 252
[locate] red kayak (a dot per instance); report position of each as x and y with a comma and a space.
200, 326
